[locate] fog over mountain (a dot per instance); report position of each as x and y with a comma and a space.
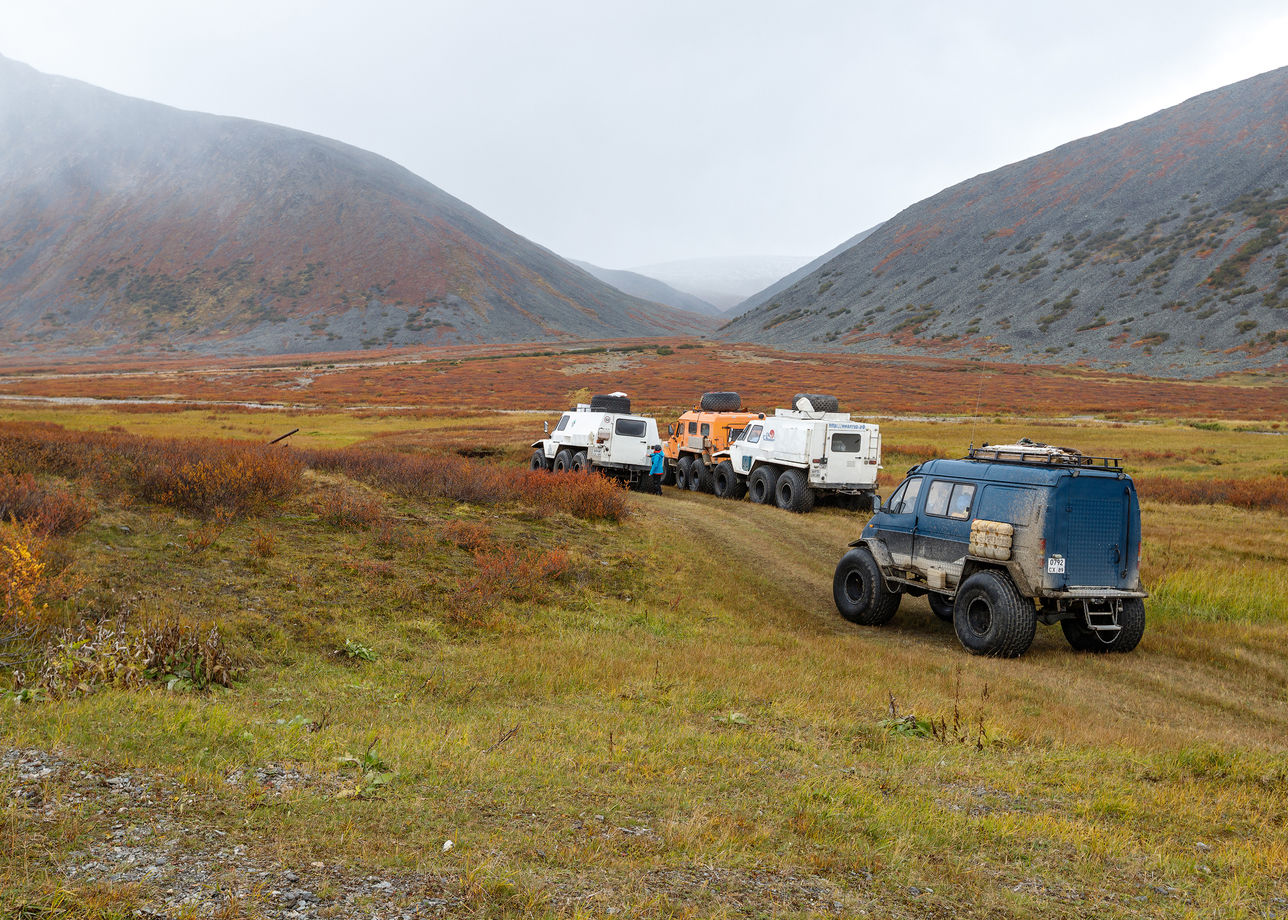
726, 281
126, 225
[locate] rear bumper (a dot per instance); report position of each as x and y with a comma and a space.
1090, 593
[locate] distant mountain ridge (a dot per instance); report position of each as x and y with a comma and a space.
723, 281
648, 288
1160, 246
126, 224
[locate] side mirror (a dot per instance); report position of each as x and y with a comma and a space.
545, 426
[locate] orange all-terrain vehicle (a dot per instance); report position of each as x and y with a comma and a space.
697, 450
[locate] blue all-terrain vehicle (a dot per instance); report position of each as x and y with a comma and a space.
1006, 538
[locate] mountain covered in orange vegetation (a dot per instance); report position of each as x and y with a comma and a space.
1159, 246
129, 226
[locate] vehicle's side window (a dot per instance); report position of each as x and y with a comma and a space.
937, 497
753, 434
735, 434
904, 499
950, 499
959, 504
706, 429
563, 423
693, 427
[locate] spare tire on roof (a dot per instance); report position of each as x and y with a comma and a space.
720, 402
620, 404
820, 402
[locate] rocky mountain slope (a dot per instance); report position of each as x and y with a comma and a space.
128, 225
787, 281
1158, 246
643, 286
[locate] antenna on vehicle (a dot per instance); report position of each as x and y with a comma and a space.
979, 390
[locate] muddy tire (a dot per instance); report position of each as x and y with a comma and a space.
941, 606
860, 590
761, 484
682, 472
579, 461
563, 461
617, 404
1132, 621
991, 618
538, 460
820, 402
726, 483
668, 474
792, 492
720, 402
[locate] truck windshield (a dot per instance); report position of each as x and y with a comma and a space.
753, 434
563, 423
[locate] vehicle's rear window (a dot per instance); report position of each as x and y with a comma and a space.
847, 443
631, 427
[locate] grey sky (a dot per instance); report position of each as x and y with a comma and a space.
629, 133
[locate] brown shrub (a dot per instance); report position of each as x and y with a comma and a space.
205, 476
351, 508
584, 495
504, 573
467, 534
1267, 492
264, 544
198, 476
49, 508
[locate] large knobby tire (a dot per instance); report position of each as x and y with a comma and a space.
726, 483
699, 476
720, 402
941, 605
563, 461
761, 484
1132, 623
991, 618
579, 461
793, 492
682, 472
668, 474
819, 401
618, 404
860, 590
538, 461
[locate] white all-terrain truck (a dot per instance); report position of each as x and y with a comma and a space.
796, 455
601, 435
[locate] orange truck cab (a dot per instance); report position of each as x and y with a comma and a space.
699, 443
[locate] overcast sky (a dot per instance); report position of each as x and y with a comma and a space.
632, 133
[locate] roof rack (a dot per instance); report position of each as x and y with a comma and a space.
1034, 452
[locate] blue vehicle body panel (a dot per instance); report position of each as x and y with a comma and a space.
1075, 527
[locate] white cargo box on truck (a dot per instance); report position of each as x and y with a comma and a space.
789, 456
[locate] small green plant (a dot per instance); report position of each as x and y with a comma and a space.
353, 649
371, 773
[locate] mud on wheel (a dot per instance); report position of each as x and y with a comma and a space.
860, 590
991, 618
726, 483
761, 484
